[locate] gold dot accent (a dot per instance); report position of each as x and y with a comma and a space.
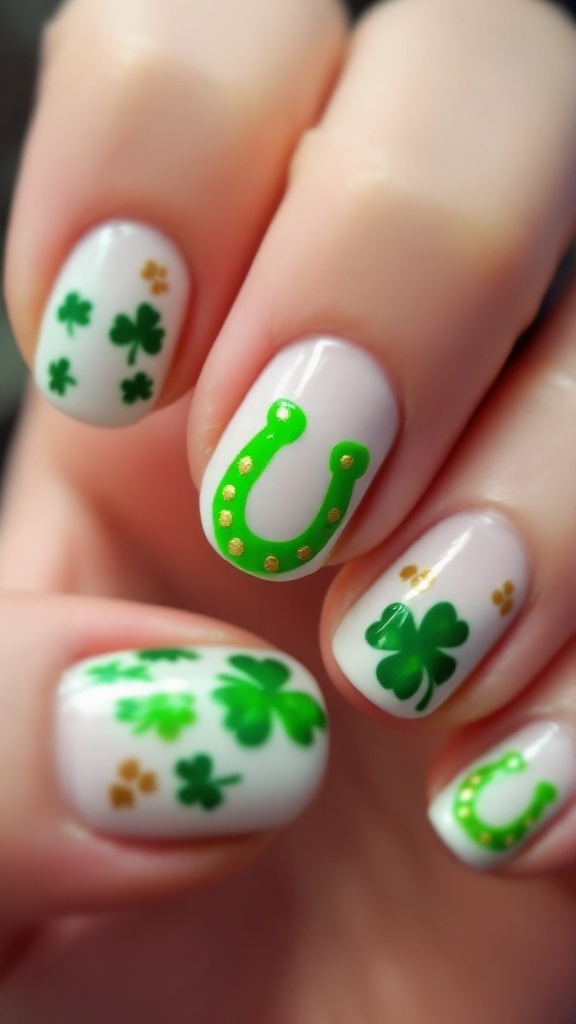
334, 515
304, 552
147, 783
271, 563
225, 518
467, 793
228, 492
283, 413
236, 546
121, 796
463, 812
245, 465
129, 769
408, 572
476, 779
419, 580
485, 838
503, 598
346, 461
510, 840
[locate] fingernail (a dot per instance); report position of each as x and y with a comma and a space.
174, 743
297, 458
500, 802
111, 324
413, 638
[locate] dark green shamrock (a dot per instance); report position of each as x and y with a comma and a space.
252, 703
74, 310
168, 654
418, 648
168, 714
136, 388
60, 376
144, 332
200, 787
114, 671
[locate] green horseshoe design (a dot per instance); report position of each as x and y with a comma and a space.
285, 423
498, 838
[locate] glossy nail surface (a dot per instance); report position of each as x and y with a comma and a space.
417, 633
297, 458
112, 324
504, 798
174, 743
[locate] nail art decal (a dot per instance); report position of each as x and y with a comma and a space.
417, 633
502, 800
297, 458
112, 323
219, 740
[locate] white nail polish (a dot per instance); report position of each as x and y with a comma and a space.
177, 743
111, 324
297, 458
499, 803
418, 632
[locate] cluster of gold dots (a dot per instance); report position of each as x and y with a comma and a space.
503, 598
134, 780
157, 276
420, 580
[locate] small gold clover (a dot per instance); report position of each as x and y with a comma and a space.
420, 579
124, 794
503, 598
157, 275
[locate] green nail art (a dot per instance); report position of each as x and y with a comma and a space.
285, 423
74, 311
254, 699
60, 376
116, 671
137, 388
503, 837
166, 714
200, 785
419, 653
143, 332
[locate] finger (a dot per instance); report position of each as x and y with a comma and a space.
156, 764
423, 221
478, 587
156, 156
504, 792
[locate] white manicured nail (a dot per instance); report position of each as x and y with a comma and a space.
297, 458
502, 800
111, 324
175, 743
422, 627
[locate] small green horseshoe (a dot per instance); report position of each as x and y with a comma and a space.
498, 838
285, 423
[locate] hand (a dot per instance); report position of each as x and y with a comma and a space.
429, 156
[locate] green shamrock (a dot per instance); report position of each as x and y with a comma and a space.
136, 388
253, 702
418, 649
200, 787
169, 714
143, 332
60, 377
74, 310
114, 671
168, 654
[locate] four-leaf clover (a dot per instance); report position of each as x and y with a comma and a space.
137, 388
115, 671
418, 648
200, 787
74, 310
255, 699
60, 376
142, 332
166, 713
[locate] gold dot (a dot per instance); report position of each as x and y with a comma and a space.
148, 783
271, 563
510, 840
245, 465
225, 518
485, 838
529, 822
236, 546
508, 588
283, 413
408, 572
304, 552
228, 492
466, 794
475, 780
346, 461
334, 515
463, 812
497, 597
129, 769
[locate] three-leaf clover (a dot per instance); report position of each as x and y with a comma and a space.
60, 376
142, 332
137, 388
200, 787
168, 714
74, 310
418, 648
255, 699
115, 671
168, 654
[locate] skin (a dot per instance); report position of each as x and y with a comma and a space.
356, 912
